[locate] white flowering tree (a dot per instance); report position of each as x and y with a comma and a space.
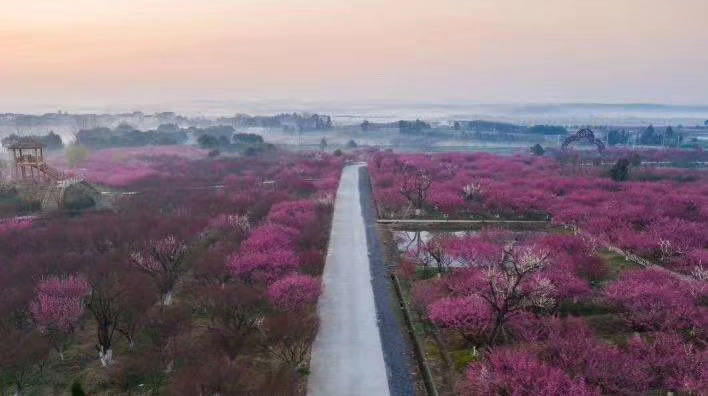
513, 284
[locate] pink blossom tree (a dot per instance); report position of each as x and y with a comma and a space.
513, 284
654, 299
671, 364
414, 187
434, 253
571, 345
294, 292
509, 372
264, 267
296, 214
270, 237
266, 255
57, 307
470, 316
163, 261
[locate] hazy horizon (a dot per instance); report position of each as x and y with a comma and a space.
128, 54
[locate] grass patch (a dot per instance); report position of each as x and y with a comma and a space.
617, 264
584, 308
463, 357
423, 273
607, 325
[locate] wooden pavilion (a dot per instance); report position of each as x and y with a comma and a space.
28, 161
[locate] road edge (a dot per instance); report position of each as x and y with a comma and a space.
396, 346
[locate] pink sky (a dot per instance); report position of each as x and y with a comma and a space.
152, 51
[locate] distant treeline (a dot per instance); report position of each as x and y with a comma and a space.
215, 138
286, 121
64, 120
464, 127
124, 135
648, 137
244, 143
503, 127
51, 141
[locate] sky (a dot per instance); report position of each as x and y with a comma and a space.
102, 52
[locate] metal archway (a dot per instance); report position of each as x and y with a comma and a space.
583, 134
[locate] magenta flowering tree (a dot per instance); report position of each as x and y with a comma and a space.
265, 266
568, 286
512, 285
473, 251
271, 237
434, 253
296, 214
414, 187
426, 292
571, 345
293, 292
163, 261
447, 201
267, 254
671, 364
697, 261
470, 316
57, 307
509, 372
654, 299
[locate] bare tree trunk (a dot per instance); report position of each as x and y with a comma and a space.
167, 299
105, 357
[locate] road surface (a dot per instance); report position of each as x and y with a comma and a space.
347, 358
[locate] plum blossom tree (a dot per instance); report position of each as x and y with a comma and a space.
266, 255
270, 237
296, 214
512, 284
509, 372
107, 303
433, 252
470, 316
57, 307
568, 286
670, 363
235, 223
237, 312
472, 251
289, 336
414, 187
293, 292
654, 299
104, 305
571, 345
163, 261
264, 267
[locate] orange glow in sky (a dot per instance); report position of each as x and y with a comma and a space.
130, 51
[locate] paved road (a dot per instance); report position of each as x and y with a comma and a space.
347, 358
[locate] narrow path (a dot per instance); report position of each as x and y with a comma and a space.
347, 357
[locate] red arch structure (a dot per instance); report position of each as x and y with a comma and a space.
585, 134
